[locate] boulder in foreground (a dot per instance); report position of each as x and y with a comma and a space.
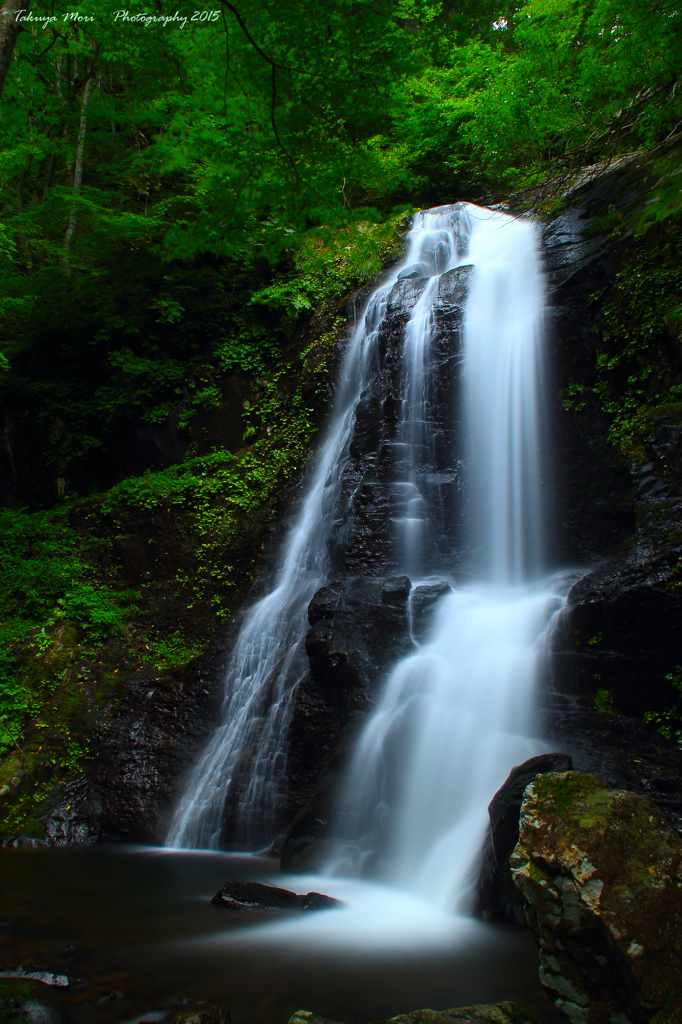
240, 895
602, 877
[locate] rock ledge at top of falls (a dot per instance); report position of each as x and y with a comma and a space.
602, 877
453, 286
500, 1013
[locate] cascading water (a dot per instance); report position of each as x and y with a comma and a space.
268, 658
265, 664
459, 713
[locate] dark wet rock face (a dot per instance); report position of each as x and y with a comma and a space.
372, 485
497, 897
594, 486
424, 601
239, 895
26, 1001
619, 635
359, 629
617, 640
602, 877
360, 622
143, 742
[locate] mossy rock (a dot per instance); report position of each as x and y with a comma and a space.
26, 1001
486, 1013
602, 876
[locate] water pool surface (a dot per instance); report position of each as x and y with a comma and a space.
135, 932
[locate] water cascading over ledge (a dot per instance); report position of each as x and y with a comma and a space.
429, 486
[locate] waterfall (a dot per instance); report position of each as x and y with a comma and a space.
267, 660
245, 759
457, 714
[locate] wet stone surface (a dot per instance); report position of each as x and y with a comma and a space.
498, 899
243, 896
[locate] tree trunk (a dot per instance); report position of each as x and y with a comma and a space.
10, 27
23, 237
78, 172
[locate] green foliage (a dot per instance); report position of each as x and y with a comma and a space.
46, 580
669, 722
237, 135
639, 374
603, 702
170, 652
326, 268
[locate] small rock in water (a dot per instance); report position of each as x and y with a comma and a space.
24, 999
54, 980
240, 895
202, 1013
318, 901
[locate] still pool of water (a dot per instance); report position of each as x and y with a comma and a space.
136, 934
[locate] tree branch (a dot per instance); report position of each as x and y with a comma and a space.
273, 81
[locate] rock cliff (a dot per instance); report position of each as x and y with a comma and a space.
614, 270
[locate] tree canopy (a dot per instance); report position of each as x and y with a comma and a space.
246, 125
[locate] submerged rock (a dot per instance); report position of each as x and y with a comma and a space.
497, 895
202, 1013
29, 1000
499, 1013
602, 877
239, 895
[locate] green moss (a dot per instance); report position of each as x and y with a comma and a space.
562, 787
558, 790
51, 598
669, 722
331, 262
603, 702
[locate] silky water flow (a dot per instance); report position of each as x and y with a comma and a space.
460, 712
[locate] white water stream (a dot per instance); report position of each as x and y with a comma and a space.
459, 713
456, 716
